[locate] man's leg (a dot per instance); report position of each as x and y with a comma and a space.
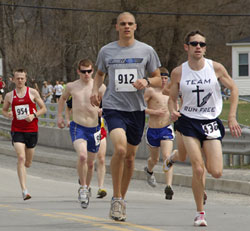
153, 158
166, 149
101, 167
29, 156
80, 147
214, 158
193, 148
119, 141
21, 170
151, 162
129, 164
90, 168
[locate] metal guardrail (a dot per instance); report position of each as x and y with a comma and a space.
235, 151
50, 118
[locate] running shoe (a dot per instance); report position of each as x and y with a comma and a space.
200, 219
167, 164
83, 197
169, 192
26, 195
150, 178
101, 193
117, 210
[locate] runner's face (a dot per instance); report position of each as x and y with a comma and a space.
85, 73
126, 26
196, 51
19, 79
164, 80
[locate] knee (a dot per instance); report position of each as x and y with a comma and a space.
90, 165
82, 158
21, 160
121, 152
28, 164
154, 160
101, 161
216, 173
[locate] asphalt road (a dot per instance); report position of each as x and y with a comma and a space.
54, 204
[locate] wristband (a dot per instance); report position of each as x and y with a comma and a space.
147, 81
35, 115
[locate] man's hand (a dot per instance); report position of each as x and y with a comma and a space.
140, 84
30, 118
234, 127
60, 122
175, 115
161, 112
10, 115
95, 99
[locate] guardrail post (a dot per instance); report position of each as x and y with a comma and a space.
226, 160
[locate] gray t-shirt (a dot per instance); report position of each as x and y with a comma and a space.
124, 65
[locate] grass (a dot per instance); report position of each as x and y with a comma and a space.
242, 113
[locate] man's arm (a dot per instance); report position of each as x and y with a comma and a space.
174, 93
42, 108
95, 97
228, 82
61, 103
6, 105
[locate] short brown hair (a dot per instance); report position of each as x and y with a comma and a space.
20, 70
192, 33
85, 63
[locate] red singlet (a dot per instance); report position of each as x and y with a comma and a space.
21, 107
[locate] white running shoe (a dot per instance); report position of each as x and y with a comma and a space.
200, 219
83, 197
150, 178
117, 210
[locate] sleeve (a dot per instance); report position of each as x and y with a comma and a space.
153, 61
100, 62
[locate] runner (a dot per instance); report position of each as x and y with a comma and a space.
24, 126
84, 128
127, 62
198, 82
160, 133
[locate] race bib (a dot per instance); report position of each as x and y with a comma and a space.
211, 130
22, 111
124, 79
97, 137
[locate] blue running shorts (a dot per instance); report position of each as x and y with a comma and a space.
91, 134
155, 135
132, 122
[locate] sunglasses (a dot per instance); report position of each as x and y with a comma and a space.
85, 71
195, 43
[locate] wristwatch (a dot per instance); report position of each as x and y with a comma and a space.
35, 115
147, 81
